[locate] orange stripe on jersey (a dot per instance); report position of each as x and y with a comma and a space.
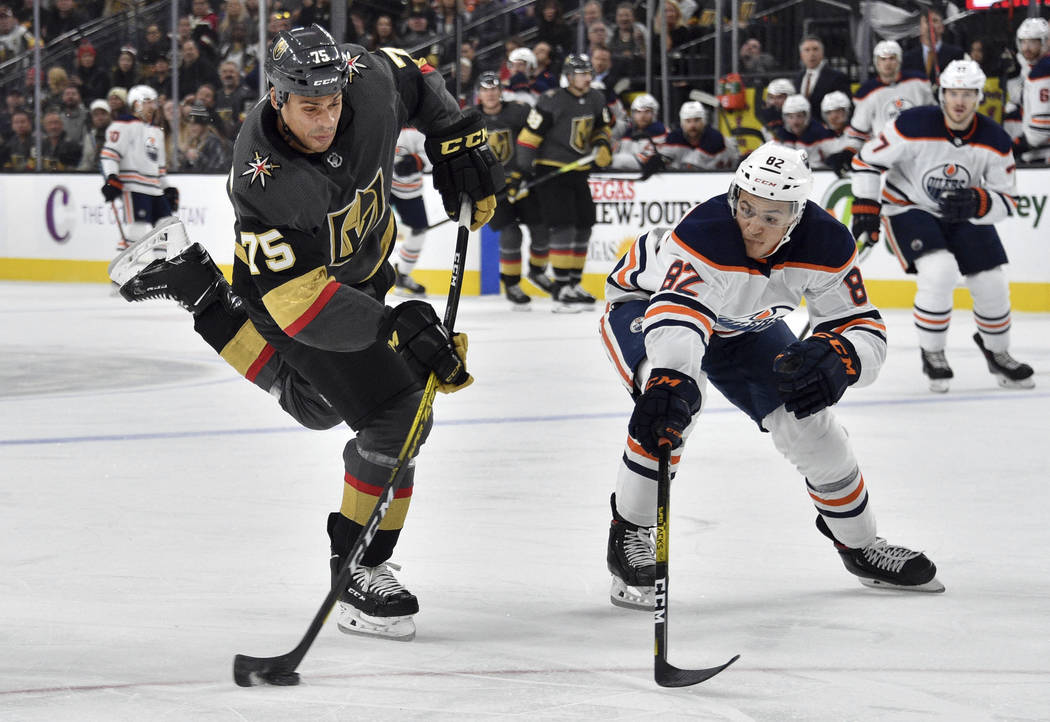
887, 229
931, 321
630, 264
612, 349
894, 199
861, 322
107, 153
985, 324
844, 500
666, 308
815, 267
694, 254
636, 448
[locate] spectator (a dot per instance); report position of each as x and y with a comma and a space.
235, 47
817, 78
598, 34
17, 152
753, 61
233, 99
59, 151
384, 34
593, 15
93, 80
74, 114
608, 82
202, 14
14, 101
552, 29
15, 39
417, 32
801, 130
61, 18
201, 148
358, 30
154, 45
118, 103
195, 70
205, 98
679, 34
160, 77
770, 114
493, 26
126, 74
546, 76
57, 82
932, 53
237, 15
96, 136
628, 41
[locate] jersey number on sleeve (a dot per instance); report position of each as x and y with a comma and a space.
680, 277
855, 283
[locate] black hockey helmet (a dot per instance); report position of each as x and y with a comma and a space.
488, 79
577, 63
305, 61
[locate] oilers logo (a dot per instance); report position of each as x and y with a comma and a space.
152, 151
947, 176
895, 107
756, 321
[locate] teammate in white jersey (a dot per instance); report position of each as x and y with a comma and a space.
949, 176
1036, 95
406, 196
705, 301
881, 99
1031, 39
135, 168
640, 145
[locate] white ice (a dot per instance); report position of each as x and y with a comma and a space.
159, 515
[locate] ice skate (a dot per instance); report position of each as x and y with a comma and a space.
191, 278
405, 285
375, 604
884, 566
542, 281
565, 299
519, 300
582, 295
1008, 371
167, 240
938, 372
631, 557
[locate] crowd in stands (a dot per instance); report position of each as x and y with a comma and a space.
217, 58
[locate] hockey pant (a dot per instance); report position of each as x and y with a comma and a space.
510, 239
141, 213
741, 369
413, 214
569, 211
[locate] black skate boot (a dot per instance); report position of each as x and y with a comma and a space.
405, 285
1008, 371
885, 566
938, 372
374, 603
565, 298
191, 278
631, 557
541, 281
519, 299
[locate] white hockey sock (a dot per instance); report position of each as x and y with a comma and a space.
991, 307
937, 274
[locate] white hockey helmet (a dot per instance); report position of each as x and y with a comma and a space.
523, 55
645, 102
834, 100
778, 173
139, 93
780, 86
692, 109
887, 48
795, 104
964, 74
1034, 29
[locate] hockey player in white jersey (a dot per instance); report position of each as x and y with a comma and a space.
1035, 109
949, 176
802, 131
704, 302
406, 196
1033, 43
639, 146
134, 166
695, 145
882, 98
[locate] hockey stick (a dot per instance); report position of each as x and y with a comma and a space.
666, 674
280, 670
864, 247
120, 229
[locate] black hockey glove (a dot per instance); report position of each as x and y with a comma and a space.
962, 204
516, 183
413, 329
651, 165
172, 195
113, 188
464, 165
602, 153
664, 410
866, 219
814, 373
407, 165
841, 162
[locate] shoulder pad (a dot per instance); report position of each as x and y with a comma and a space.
924, 121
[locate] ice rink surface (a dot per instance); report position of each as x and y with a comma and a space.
159, 515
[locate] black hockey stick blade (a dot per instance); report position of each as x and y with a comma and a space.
279, 671
667, 675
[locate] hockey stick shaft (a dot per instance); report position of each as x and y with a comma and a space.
120, 227
244, 667
666, 674
864, 246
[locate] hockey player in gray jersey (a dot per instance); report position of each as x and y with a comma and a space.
949, 176
704, 303
566, 125
310, 187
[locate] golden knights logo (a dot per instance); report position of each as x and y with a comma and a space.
580, 134
348, 226
280, 48
501, 144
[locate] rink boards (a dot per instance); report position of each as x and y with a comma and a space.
56, 227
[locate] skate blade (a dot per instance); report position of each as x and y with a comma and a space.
627, 597
164, 241
939, 386
520, 307
567, 308
352, 621
1028, 383
931, 587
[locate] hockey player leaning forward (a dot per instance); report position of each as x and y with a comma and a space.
305, 319
949, 177
703, 302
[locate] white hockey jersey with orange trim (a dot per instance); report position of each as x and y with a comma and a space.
699, 282
410, 143
1036, 104
922, 158
134, 152
876, 104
